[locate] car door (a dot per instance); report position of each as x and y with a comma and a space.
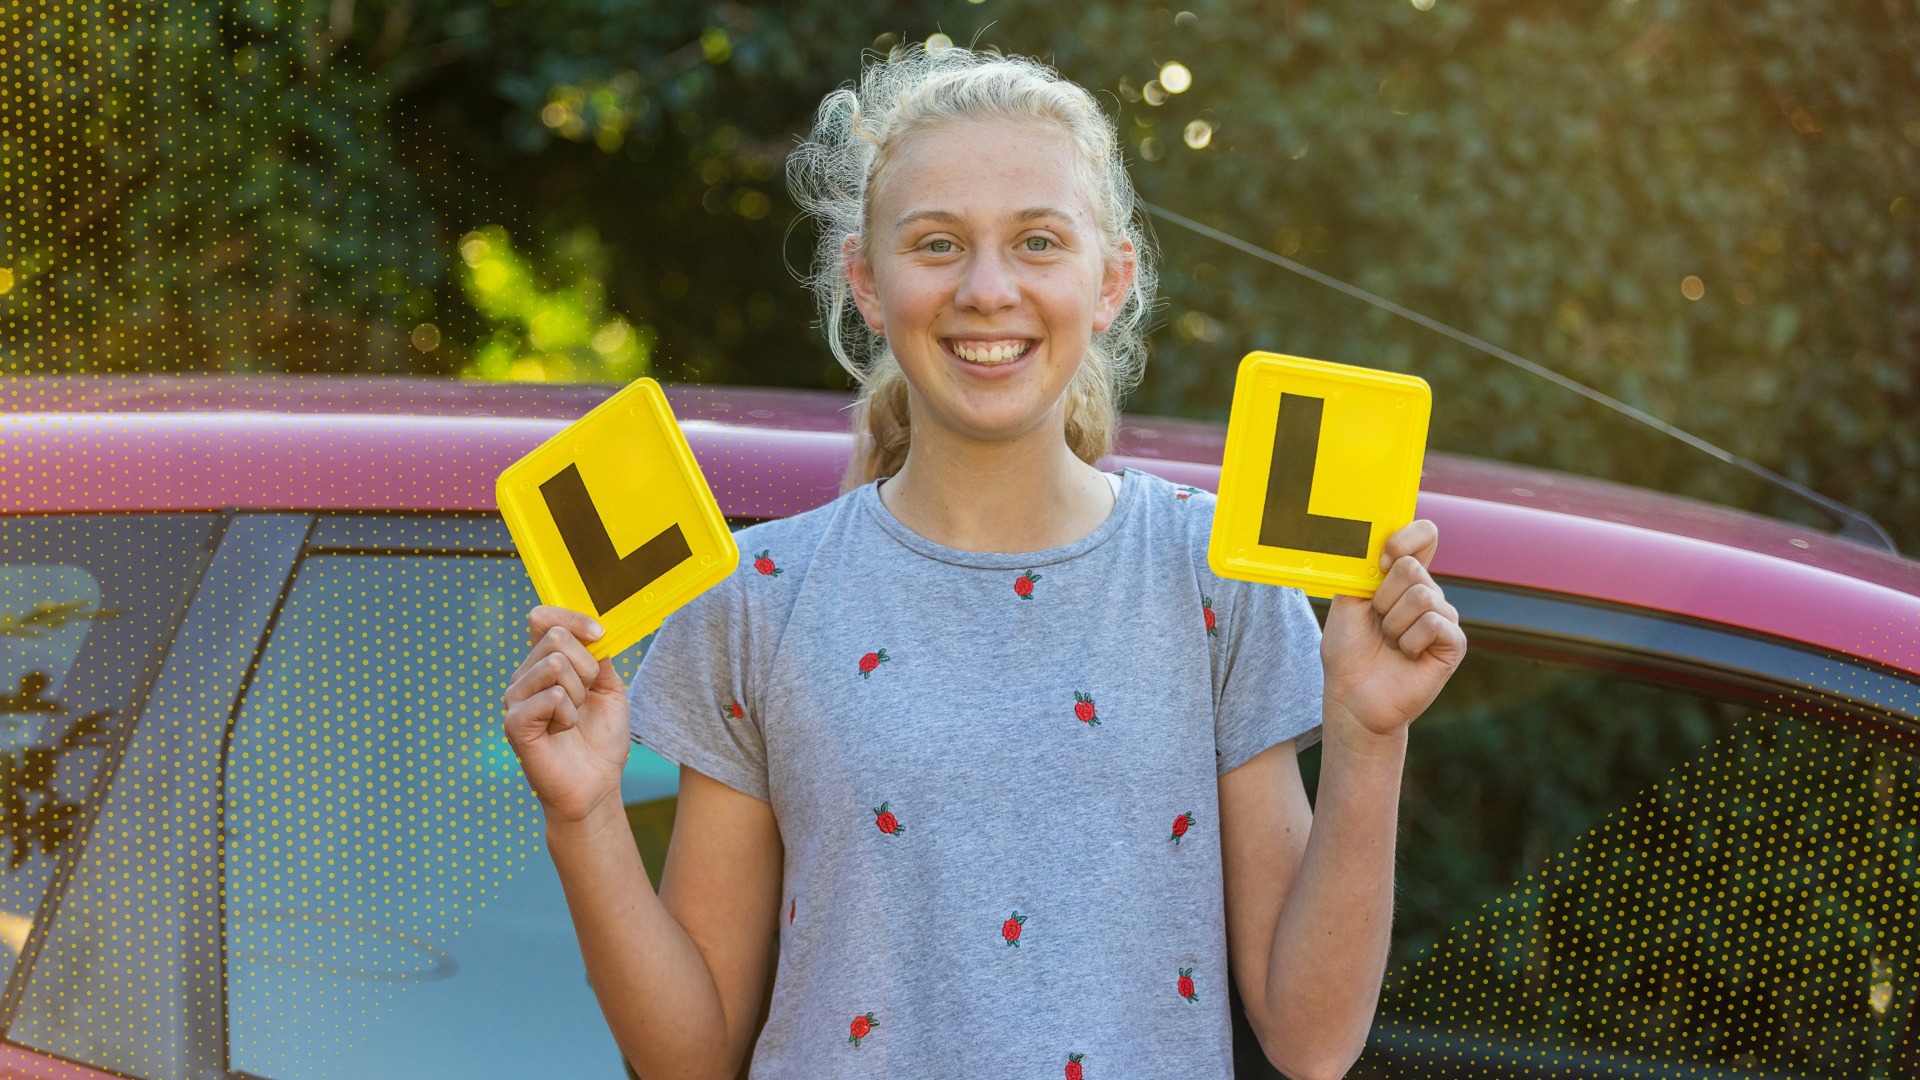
90, 606
320, 858
1636, 846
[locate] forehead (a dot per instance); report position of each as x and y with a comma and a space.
980, 171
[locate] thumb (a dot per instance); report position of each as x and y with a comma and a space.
1345, 607
606, 680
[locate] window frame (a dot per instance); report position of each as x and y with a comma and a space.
142, 694
177, 745
1679, 653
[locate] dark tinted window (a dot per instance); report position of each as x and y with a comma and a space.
87, 605
1603, 877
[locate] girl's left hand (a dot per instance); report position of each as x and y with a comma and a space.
1386, 659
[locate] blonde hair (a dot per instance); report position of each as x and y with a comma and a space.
858, 131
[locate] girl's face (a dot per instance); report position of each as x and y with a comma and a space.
983, 268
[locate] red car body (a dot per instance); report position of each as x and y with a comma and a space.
287, 442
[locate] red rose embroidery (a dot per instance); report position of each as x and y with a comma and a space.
1073, 1066
1011, 928
887, 823
861, 1027
1023, 585
1185, 985
1180, 826
870, 661
764, 563
734, 710
1185, 492
1083, 708
1206, 612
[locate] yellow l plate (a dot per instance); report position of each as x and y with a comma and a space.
613, 518
1322, 464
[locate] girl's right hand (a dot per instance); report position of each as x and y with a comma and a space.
566, 717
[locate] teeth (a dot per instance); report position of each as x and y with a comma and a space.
998, 353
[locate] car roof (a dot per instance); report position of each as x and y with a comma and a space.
175, 442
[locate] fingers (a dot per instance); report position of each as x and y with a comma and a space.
544, 617
1436, 634
543, 713
1405, 572
1413, 609
550, 686
1419, 538
1418, 599
555, 629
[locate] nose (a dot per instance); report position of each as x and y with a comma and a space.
988, 284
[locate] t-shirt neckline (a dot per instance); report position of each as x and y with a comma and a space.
1124, 500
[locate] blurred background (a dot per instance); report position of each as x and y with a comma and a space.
1710, 210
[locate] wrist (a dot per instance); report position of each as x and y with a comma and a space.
1342, 729
606, 815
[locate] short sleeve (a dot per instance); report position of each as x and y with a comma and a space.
691, 702
1270, 678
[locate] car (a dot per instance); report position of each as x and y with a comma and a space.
261, 820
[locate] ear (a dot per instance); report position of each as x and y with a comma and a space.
1113, 288
860, 277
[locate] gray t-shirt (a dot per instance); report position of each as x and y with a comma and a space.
996, 778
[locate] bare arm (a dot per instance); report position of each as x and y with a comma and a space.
1309, 892
679, 975
1309, 895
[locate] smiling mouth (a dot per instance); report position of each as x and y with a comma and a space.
989, 353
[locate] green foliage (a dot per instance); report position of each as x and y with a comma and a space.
193, 186
280, 185
561, 335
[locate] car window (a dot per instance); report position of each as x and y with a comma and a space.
1603, 875
87, 603
390, 906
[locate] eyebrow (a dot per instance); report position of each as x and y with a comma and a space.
947, 217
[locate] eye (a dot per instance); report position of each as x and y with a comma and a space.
1042, 242
932, 246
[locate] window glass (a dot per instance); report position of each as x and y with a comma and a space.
391, 908
1601, 877
86, 605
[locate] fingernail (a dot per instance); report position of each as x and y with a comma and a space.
595, 629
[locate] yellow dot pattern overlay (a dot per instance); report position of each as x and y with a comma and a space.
1756, 912
365, 892
373, 807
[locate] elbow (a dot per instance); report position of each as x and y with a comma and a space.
1326, 1061
1322, 1069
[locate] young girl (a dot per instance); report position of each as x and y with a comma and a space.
982, 764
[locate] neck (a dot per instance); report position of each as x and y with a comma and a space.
997, 497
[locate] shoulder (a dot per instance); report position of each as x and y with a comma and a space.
776, 554
758, 595
1175, 514
1183, 514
